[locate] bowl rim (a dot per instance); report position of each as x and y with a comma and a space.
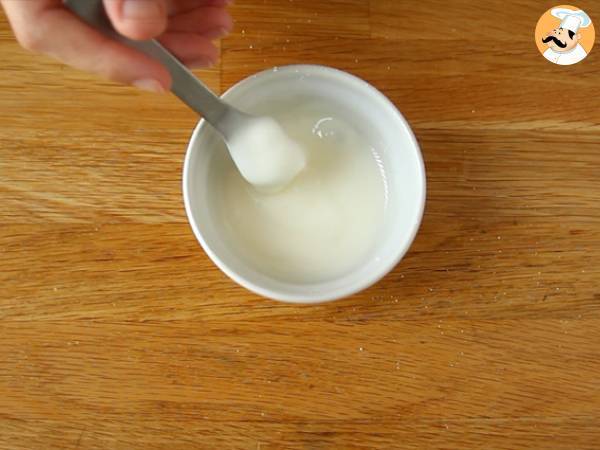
350, 289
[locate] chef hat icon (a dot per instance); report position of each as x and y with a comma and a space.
572, 19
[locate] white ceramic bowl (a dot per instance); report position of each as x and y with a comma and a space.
374, 116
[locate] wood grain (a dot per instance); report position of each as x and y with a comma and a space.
117, 332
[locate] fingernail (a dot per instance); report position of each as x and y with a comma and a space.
216, 33
201, 63
149, 84
141, 9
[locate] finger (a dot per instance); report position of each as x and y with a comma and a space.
180, 6
22, 14
138, 19
59, 33
202, 20
192, 49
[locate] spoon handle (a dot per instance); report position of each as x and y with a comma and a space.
185, 85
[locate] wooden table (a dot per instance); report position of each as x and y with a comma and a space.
117, 331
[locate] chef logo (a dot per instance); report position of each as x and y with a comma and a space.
565, 35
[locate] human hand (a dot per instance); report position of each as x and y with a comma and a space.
186, 27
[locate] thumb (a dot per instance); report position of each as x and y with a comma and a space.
137, 19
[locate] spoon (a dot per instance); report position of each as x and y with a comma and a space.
263, 153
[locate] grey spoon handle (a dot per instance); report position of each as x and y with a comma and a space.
185, 85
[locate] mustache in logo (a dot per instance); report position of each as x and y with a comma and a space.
555, 40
